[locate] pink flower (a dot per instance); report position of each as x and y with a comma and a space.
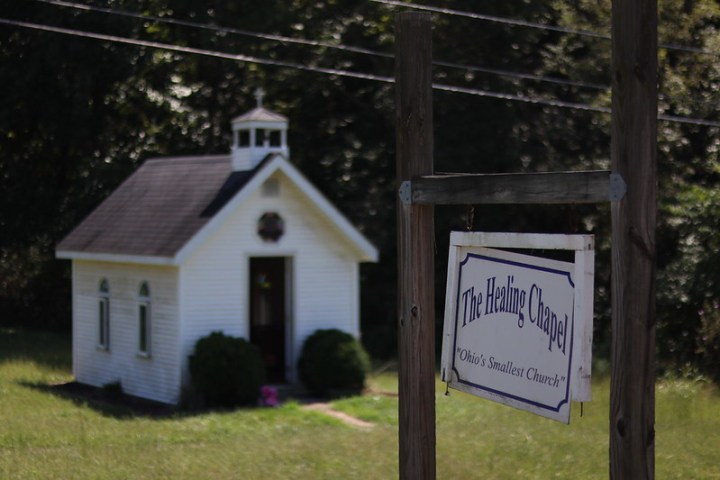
269, 396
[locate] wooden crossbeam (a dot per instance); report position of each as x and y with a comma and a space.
514, 188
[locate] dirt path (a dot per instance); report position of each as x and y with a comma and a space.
343, 417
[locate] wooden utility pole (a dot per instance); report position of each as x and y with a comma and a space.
416, 234
634, 157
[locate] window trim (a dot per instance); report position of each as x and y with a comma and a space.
144, 322
103, 317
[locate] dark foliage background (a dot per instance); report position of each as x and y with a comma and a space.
78, 115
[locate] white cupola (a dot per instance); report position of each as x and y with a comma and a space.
256, 134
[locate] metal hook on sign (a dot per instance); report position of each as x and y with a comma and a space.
470, 220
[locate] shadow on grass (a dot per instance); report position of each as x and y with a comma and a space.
108, 402
53, 350
112, 403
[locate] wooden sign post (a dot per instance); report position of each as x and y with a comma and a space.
634, 136
416, 237
634, 156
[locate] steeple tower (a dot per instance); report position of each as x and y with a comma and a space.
256, 134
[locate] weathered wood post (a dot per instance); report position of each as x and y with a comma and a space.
416, 233
633, 152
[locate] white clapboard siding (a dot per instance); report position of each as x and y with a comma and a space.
156, 377
208, 290
214, 279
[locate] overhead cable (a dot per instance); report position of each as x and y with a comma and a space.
215, 28
315, 43
540, 26
192, 50
333, 71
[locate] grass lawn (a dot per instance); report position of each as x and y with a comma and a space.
44, 435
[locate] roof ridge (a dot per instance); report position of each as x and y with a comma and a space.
189, 158
260, 114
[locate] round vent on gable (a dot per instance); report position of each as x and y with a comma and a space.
271, 227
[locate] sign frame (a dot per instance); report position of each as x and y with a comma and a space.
582, 272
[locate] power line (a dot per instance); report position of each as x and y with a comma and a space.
315, 43
194, 51
540, 26
491, 18
523, 76
216, 28
332, 71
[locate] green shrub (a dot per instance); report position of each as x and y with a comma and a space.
112, 390
333, 363
226, 371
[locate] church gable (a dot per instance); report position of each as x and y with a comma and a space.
164, 210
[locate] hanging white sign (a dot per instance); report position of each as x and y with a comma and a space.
518, 328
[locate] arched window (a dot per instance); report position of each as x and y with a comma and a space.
104, 315
144, 320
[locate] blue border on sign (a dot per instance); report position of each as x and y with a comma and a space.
572, 334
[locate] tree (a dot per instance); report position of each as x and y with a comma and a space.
79, 115
60, 149
687, 157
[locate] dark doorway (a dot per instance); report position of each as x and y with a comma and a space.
268, 313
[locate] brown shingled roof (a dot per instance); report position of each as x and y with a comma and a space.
159, 207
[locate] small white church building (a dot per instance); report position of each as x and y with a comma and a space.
240, 243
